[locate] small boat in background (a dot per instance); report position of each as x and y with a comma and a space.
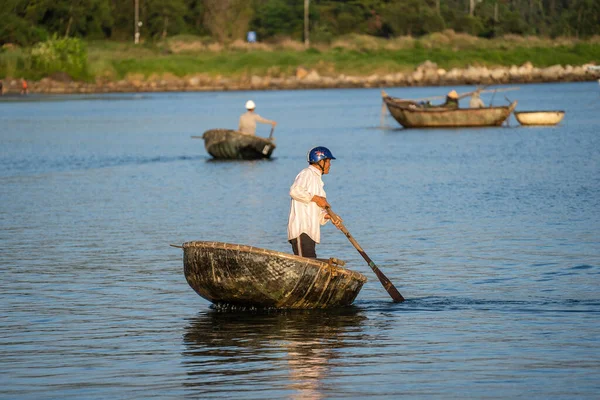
229, 144
411, 114
245, 276
539, 117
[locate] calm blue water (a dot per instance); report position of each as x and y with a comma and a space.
492, 235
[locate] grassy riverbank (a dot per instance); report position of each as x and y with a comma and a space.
355, 55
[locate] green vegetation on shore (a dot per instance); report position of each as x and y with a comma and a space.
357, 55
92, 41
26, 22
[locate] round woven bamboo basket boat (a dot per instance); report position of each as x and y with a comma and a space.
539, 117
247, 276
228, 144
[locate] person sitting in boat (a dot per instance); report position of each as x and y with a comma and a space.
476, 101
249, 119
451, 100
307, 209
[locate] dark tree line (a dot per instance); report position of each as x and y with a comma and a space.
26, 22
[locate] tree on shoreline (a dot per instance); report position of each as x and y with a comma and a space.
227, 20
163, 17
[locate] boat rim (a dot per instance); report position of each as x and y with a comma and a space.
391, 102
540, 112
258, 250
234, 131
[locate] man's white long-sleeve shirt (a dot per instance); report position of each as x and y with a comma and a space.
305, 215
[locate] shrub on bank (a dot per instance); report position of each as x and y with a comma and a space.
66, 55
56, 55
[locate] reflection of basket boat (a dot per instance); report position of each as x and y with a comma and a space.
247, 276
230, 144
216, 329
539, 117
302, 343
410, 114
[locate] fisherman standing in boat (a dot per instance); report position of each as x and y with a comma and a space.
249, 119
307, 210
476, 101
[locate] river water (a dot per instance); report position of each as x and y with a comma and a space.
491, 234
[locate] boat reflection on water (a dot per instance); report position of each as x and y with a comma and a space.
277, 354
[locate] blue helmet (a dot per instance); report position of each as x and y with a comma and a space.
319, 153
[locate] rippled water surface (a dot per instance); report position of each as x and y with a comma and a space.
492, 235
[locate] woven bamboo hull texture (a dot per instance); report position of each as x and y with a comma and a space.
251, 277
232, 145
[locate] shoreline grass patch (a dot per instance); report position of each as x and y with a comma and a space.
352, 55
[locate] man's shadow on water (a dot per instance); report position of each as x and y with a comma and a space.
295, 348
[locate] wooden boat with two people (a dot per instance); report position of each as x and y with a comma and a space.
547, 118
250, 277
413, 114
228, 144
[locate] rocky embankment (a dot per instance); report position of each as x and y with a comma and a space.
427, 74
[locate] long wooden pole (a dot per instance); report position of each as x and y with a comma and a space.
388, 286
306, 13
136, 18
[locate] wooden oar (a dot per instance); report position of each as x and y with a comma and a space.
271, 134
391, 289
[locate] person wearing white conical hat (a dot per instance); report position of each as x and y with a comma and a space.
249, 119
451, 100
